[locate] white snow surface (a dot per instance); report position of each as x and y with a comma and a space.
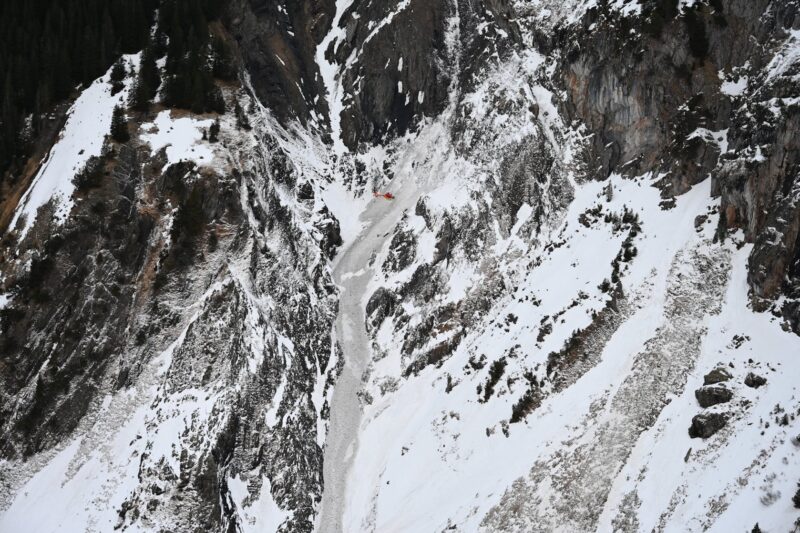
181, 136
734, 88
346, 207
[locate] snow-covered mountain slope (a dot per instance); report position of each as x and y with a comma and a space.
82, 137
554, 403
578, 313
196, 345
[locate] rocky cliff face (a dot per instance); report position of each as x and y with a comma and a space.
165, 333
277, 44
580, 312
684, 89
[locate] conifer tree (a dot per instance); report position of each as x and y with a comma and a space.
147, 81
119, 126
49, 48
118, 74
213, 132
224, 67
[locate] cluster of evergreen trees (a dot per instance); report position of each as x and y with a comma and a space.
194, 58
657, 13
49, 47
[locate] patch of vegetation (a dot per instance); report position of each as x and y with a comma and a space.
495, 373
605, 287
696, 28
189, 82
147, 81
528, 402
91, 175
188, 224
223, 64
213, 132
187, 227
657, 14
50, 47
118, 75
119, 126
242, 122
39, 271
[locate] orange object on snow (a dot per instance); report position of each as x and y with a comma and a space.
385, 195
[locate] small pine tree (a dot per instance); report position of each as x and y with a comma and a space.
187, 226
91, 175
214, 100
722, 226
213, 132
224, 67
242, 122
696, 28
147, 81
140, 95
118, 74
119, 126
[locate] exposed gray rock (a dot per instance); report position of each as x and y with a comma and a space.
754, 380
277, 44
708, 396
718, 375
402, 251
388, 98
380, 305
652, 99
707, 424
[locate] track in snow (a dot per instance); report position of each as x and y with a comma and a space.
352, 275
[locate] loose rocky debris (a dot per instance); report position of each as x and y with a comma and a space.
580, 477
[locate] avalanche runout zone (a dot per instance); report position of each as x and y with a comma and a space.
351, 273
568, 491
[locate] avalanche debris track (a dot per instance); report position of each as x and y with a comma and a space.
569, 490
351, 273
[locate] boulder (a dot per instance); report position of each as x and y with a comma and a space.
380, 305
718, 375
699, 220
754, 380
708, 396
402, 251
706, 424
